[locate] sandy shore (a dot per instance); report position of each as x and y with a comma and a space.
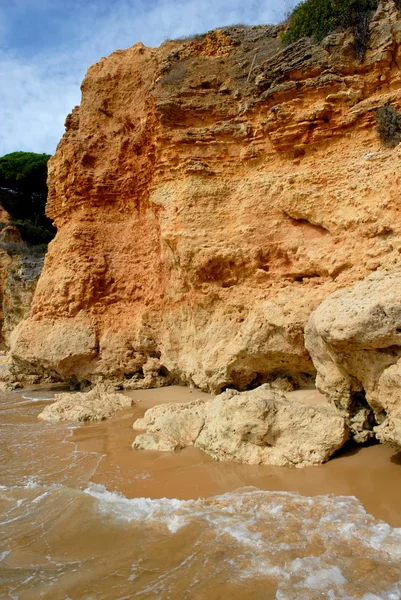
372, 474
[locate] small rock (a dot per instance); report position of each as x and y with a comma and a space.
97, 404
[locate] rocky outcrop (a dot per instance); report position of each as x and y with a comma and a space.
19, 274
20, 267
97, 404
261, 426
354, 339
10, 235
209, 195
171, 426
19, 288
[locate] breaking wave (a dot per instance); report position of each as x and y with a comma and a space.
64, 537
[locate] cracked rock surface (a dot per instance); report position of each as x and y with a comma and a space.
261, 426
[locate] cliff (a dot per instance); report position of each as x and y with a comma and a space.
20, 268
209, 194
21, 274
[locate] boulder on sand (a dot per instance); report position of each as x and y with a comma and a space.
260, 426
99, 403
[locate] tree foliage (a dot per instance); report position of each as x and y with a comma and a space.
318, 18
23, 194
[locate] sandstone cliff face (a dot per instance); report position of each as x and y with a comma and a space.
354, 338
209, 195
19, 273
21, 277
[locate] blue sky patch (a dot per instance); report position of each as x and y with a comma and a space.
46, 47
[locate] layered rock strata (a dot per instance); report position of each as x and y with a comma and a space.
261, 426
209, 195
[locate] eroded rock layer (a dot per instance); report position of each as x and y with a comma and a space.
354, 338
20, 267
209, 195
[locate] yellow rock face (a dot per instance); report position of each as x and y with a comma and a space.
208, 195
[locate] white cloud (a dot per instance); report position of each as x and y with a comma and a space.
33, 105
38, 92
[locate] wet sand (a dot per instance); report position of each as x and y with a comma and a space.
372, 474
84, 517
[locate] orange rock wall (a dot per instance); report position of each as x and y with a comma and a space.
208, 195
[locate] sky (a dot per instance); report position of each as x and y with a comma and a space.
46, 46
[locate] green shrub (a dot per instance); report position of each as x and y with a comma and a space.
23, 175
36, 250
318, 18
23, 194
196, 37
34, 234
13, 248
389, 125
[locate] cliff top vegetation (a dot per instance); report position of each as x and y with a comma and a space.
318, 18
23, 194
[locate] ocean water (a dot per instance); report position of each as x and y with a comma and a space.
65, 535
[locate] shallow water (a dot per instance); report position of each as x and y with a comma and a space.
84, 517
